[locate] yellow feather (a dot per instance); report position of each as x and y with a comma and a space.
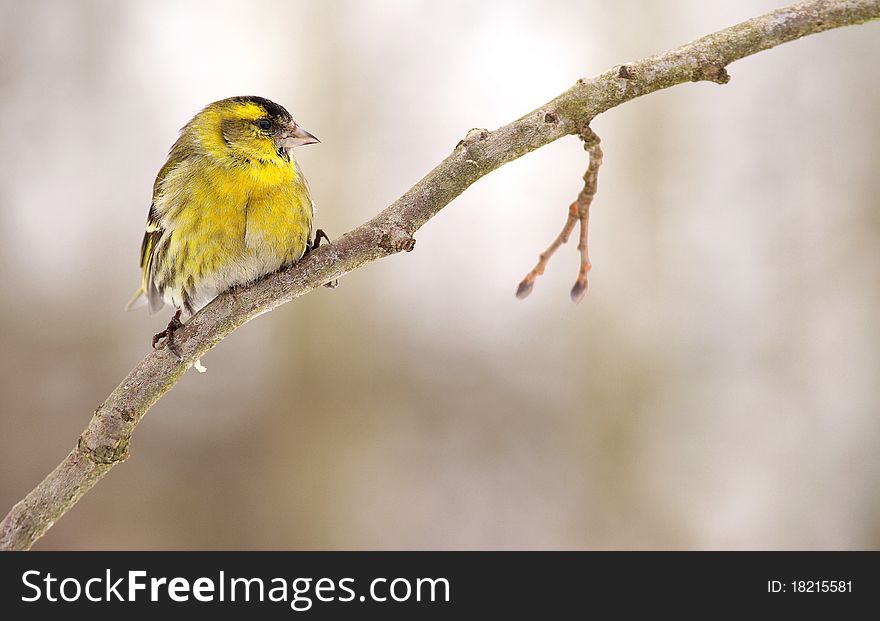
228, 208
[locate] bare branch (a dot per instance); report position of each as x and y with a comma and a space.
105, 441
578, 212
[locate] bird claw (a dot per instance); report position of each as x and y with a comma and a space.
319, 234
168, 335
315, 243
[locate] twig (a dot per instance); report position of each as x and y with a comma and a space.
105, 441
578, 212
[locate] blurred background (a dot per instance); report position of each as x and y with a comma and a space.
717, 388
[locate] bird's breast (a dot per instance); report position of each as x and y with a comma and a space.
232, 226
277, 222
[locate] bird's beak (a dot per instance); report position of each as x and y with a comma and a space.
295, 136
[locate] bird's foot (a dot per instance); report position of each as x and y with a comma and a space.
319, 234
168, 335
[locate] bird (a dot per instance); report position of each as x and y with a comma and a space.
229, 206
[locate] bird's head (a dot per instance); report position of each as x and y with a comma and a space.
249, 127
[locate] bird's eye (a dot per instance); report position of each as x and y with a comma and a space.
264, 124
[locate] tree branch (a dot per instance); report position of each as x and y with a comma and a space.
578, 212
105, 441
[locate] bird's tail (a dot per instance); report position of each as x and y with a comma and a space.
137, 300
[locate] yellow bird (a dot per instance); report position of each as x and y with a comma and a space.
229, 206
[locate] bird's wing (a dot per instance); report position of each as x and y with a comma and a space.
152, 235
